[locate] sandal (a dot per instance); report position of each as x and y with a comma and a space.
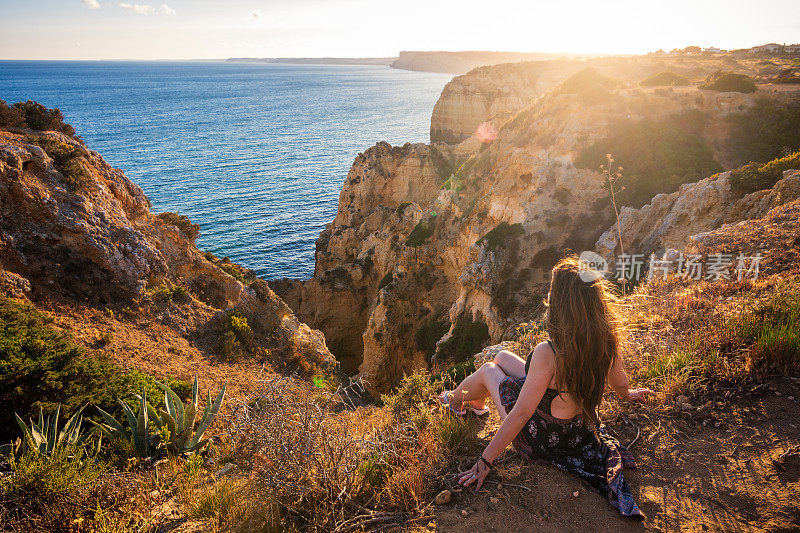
444, 399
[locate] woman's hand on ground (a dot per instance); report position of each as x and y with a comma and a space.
476, 475
638, 395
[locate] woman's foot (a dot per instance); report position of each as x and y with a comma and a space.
460, 407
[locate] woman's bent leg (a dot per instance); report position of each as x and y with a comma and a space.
482, 383
511, 364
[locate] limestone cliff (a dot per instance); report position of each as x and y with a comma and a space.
670, 220
437, 250
74, 229
496, 93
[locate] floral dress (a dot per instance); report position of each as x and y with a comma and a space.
572, 445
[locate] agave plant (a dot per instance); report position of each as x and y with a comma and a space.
175, 425
45, 438
138, 426
180, 419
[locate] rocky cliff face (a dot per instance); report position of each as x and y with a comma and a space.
670, 220
436, 251
74, 229
496, 93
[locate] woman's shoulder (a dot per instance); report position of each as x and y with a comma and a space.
543, 354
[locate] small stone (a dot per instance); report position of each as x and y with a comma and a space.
494, 501
499, 486
790, 398
717, 424
225, 469
576, 494
464, 513
777, 393
443, 497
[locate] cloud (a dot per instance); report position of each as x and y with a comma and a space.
256, 14
139, 9
166, 10
91, 4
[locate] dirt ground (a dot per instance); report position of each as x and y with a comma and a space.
715, 467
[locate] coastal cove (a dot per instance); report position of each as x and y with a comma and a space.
254, 153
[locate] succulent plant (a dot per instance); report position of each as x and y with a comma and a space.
180, 419
45, 438
175, 425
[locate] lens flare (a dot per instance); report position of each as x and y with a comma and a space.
486, 132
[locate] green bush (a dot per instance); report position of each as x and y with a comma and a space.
501, 234
585, 80
237, 338
421, 232
39, 117
68, 158
766, 131
386, 280
10, 117
49, 477
468, 338
729, 82
189, 230
756, 177
411, 396
41, 367
665, 79
656, 155
772, 328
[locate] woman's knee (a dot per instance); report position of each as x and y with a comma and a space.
510, 363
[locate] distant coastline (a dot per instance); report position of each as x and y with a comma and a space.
421, 61
386, 61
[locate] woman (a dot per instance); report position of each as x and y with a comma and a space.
548, 404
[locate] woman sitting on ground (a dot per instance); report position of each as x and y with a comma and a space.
549, 403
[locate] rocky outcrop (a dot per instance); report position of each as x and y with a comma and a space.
74, 229
438, 250
495, 94
669, 220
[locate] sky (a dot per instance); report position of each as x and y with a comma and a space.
205, 29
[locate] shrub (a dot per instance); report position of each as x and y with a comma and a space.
772, 328
766, 131
585, 80
402, 207
665, 79
41, 367
237, 337
468, 338
39, 117
657, 155
386, 280
755, 177
421, 232
167, 292
10, 117
68, 158
729, 82
501, 234
411, 396
189, 230
48, 477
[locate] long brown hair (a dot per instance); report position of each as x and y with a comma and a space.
583, 325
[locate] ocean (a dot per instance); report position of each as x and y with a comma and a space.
255, 154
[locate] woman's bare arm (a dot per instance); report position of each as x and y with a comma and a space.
536, 382
619, 383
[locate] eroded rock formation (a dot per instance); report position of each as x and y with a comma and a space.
72, 228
